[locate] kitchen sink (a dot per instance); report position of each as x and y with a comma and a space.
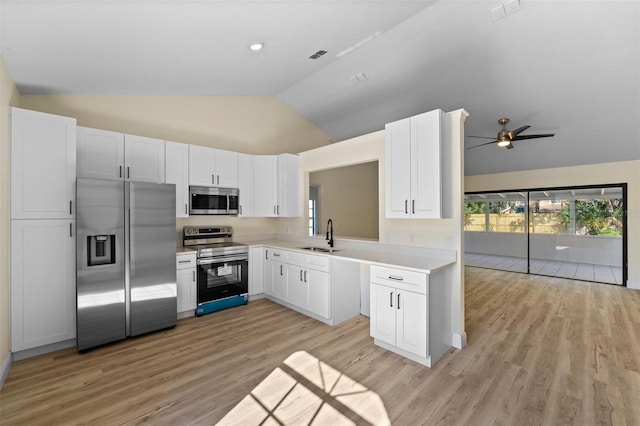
320, 249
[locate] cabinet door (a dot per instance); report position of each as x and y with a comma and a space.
186, 283
411, 322
176, 171
226, 168
43, 282
245, 184
279, 280
398, 168
100, 154
383, 313
288, 186
426, 165
265, 185
256, 273
297, 287
43, 165
144, 159
201, 162
318, 282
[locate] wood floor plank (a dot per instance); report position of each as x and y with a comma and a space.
541, 350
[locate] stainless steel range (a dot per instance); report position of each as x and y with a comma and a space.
223, 268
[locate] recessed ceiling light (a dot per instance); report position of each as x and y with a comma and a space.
256, 46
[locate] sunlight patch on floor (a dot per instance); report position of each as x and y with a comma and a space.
308, 391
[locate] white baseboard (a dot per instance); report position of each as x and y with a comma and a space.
459, 340
40, 350
632, 285
4, 368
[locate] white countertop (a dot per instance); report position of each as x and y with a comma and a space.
417, 263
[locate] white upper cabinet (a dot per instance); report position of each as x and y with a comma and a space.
413, 151
144, 159
212, 167
245, 185
103, 154
100, 154
288, 186
265, 185
43, 165
176, 171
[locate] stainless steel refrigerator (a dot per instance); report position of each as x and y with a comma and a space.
126, 260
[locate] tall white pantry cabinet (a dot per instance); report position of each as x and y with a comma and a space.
43, 226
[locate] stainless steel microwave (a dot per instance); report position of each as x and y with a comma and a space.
205, 200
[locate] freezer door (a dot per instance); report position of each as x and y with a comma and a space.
100, 272
152, 256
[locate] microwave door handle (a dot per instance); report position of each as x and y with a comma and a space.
228, 203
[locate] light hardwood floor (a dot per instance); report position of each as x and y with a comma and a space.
541, 351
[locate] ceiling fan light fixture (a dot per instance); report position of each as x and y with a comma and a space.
504, 143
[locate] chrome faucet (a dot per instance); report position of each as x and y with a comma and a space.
330, 232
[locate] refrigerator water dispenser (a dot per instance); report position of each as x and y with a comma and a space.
101, 250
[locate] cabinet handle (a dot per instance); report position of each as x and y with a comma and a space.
280, 269
240, 209
71, 207
406, 206
395, 277
194, 275
278, 209
391, 299
266, 255
120, 172
305, 276
185, 209
128, 172
213, 179
398, 300
413, 206
184, 261
218, 178
276, 254
71, 229
300, 274
274, 209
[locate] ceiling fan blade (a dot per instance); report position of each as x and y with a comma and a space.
517, 131
545, 135
481, 137
482, 144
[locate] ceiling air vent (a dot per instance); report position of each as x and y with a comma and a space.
318, 54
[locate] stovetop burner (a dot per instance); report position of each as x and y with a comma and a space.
212, 242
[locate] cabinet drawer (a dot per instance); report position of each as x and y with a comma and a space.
184, 261
275, 254
400, 278
320, 263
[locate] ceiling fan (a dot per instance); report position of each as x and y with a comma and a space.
505, 137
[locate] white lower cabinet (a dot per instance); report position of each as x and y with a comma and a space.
299, 280
186, 282
256, 271
399, 311
43, 282
411, 312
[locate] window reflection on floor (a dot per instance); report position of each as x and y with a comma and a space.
305, 390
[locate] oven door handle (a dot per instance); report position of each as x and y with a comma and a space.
221, 259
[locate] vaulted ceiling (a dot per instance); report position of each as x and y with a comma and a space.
566, 67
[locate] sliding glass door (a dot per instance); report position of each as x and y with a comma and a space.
576, 232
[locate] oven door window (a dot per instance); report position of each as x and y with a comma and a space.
222, 279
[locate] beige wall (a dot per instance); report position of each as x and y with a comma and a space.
8, 96
252, 125
349, 196
593, 174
